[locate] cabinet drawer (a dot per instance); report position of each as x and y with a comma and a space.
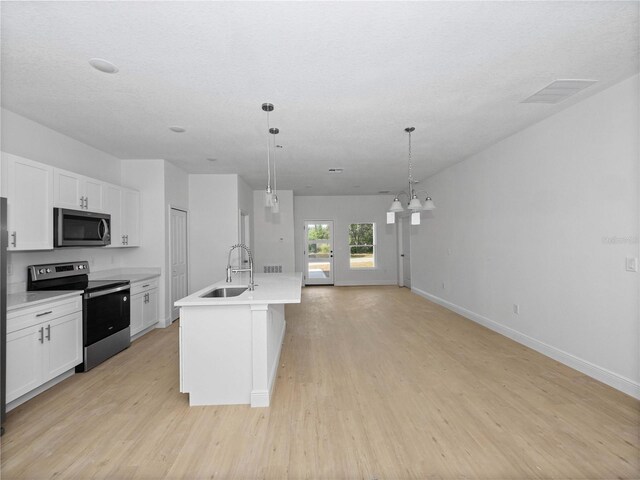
29, 316
144, 286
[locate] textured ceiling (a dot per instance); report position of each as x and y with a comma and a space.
345, 78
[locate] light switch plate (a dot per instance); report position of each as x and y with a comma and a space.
391, 218
632, 264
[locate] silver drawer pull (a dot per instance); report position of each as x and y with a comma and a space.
44, 313
41, 334
49, 332
15, 239
145, 286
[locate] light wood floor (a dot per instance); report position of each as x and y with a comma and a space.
374, 383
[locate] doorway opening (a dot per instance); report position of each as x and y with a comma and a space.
318, 252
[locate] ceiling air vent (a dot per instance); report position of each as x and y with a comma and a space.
336, 170
558, 91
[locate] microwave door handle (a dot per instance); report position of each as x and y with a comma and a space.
105, 226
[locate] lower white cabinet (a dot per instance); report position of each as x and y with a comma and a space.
42, 343
144, 305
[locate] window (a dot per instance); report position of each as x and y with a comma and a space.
362, 245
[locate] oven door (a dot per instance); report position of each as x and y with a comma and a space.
105, 312
75, 228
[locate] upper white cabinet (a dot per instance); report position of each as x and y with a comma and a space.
29, 189
123, 205
77, 192
131, 217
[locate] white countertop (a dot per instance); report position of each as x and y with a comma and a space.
132, 274
19, 300
269, 289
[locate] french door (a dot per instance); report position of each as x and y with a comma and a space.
318, 252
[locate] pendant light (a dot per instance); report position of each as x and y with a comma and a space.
275, 205
414, 202
268, 194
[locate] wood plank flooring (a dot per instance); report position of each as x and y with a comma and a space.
373, 383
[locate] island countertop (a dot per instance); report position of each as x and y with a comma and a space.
269, 289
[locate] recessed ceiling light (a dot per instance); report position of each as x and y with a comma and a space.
308, 186
336, 170
103, 65
356, 186
177, 129
384, 191
212, 159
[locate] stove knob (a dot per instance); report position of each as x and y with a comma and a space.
42, 270
48, 270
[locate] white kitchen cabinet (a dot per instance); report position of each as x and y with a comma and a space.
144, 305
131, 217
123, 204
77, 192
29, 189
43, 342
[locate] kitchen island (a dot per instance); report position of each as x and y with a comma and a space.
230, 346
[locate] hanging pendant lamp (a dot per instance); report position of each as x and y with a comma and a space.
268, 194
275, 205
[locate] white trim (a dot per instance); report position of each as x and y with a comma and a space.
623, 384
260, 398
357, 283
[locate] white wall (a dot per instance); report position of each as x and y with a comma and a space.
245, 203
28, 139
274, 237
213, 227
528, 222
23, 137
345, 210
148, 177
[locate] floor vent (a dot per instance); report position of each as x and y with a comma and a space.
273, 269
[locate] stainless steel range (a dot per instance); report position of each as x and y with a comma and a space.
105, 307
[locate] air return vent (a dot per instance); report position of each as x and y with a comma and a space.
558, 91
273, 269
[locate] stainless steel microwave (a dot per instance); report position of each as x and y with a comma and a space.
75, 228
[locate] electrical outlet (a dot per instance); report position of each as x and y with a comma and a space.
516, 309
632, 264
9, 268
92, 261
443, 286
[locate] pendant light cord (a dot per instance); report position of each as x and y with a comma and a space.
268, 155
410, 175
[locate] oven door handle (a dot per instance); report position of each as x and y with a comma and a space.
106, 292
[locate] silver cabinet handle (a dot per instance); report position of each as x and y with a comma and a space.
81, 202
86, 202
122, 240
49, 332
127, 239
44, 313
15, 239
41, 334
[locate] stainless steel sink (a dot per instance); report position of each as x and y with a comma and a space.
224, 292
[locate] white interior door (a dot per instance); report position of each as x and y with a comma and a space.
405, 251
318, 252
178, 227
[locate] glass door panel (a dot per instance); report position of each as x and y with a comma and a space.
318, 252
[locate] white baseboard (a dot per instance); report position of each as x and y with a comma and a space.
260, 398
625, 385
359, 283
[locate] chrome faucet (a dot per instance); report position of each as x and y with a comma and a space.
231, 270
